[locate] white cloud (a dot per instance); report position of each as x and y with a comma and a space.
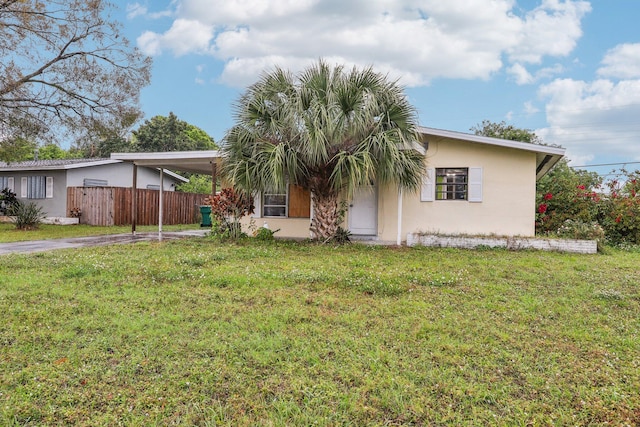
593, 117
523, 77
417, 40
622, 62
551, 29
183, 37
530, 109
135, 9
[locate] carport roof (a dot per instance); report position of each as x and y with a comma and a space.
186, 161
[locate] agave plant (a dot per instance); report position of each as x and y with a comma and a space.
26, 216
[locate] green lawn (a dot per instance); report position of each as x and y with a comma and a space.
197, 332
8, 232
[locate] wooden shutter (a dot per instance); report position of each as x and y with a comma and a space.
428, 190
299, 202
24, 183
49, 188
475, 185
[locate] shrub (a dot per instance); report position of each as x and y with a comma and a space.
27, 216
577, 229
620, 209
227, 209
565, 194
7, 200
265, 234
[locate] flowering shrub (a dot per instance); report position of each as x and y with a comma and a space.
565, 193
620, 209
570, 202
227, 209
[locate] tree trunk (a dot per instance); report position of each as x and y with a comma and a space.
324, 223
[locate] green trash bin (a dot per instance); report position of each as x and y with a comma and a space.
205, 212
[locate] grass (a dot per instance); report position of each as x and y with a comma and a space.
198, 332
9, 233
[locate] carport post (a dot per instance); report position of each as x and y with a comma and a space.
161, 205
214, 177
399, 236
134, 198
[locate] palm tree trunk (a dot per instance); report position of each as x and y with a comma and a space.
324, 223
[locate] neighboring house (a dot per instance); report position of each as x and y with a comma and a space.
45, 182
474, 185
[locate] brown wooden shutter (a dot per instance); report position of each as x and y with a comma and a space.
299, 202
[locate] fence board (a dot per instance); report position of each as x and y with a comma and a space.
112, 206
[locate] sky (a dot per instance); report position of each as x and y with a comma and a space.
567, 69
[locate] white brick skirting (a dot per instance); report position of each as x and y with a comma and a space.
512, 243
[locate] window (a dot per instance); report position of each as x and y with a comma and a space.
37, 187
451, 183
295, 202
90, 182
6, 182
274, 204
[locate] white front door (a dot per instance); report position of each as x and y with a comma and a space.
363, 211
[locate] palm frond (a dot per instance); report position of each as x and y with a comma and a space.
326, 128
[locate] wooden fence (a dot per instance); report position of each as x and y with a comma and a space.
112, 206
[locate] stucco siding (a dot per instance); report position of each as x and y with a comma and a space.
508, 195
506, 206
55, 206
293, 228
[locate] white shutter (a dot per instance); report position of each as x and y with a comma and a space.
257, 205
23, 187
10, 184
49, 188
428, 190
475, 185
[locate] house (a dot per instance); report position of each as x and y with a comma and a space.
45, 182
474, 185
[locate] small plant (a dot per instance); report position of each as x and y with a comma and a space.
265, 234
27, 216
342, 234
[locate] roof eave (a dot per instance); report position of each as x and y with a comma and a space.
527, 146
546, 156
18, 168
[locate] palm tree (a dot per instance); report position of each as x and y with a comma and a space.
326, 130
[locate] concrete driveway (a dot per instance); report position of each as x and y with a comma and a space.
82, 242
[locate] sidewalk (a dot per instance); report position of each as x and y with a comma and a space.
82, 242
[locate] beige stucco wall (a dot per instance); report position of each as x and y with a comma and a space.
508, 203
507, 207
293, 228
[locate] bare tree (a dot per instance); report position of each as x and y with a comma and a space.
65, 67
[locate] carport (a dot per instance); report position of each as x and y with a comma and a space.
202, 162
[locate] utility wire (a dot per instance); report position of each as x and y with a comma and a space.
606, 164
